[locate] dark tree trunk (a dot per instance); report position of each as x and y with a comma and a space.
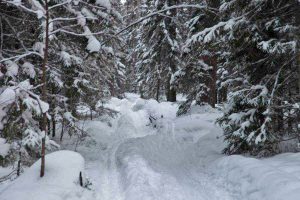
19, 165
213, 84
297, 17
44, 90
171, 92
49, 125
80, 179
172, 95
141, 90
171, 26
53, 125
62, 130
158, 89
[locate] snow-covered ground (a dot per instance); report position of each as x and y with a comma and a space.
172, 158
61, 180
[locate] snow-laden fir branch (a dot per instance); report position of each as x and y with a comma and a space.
76, 34
206, 8
18, 57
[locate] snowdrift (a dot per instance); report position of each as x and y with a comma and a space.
276, 178
61, 180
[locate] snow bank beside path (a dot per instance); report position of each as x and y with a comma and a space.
276, 178
61, 180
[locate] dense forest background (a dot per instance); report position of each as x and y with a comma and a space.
62, 56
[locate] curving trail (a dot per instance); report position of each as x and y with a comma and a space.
134, 160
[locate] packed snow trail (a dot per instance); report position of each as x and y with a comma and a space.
166, 159
172, 158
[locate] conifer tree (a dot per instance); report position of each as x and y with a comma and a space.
158, 51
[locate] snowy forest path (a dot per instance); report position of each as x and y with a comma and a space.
144, 160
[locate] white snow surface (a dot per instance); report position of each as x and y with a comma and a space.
172, 158
105, 3
4, 147
61, 180
130, 159
28, 69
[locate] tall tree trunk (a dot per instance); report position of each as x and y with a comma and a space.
172, 95
91, 113
171, 92
141, 90
213, 84
62, 129
297, 17
49, 125
19, 164
171, 26
44, 90
157, 89
298, 63
53, 125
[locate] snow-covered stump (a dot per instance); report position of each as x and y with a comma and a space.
59, 183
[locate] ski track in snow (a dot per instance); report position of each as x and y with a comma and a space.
142, 162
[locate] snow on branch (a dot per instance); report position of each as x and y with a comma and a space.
206, 8
18, 57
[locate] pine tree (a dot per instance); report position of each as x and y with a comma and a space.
158, 51
198, 76
260, 55
74, 35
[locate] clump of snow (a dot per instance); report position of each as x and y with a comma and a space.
104, 3
12, 69
32, 140
102, 14
93, 44
155, 109
81, 20
39, 47
28, 69
7, 97
61, 180
108, 50
17, 2
4, 147
88, 14
66, 58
